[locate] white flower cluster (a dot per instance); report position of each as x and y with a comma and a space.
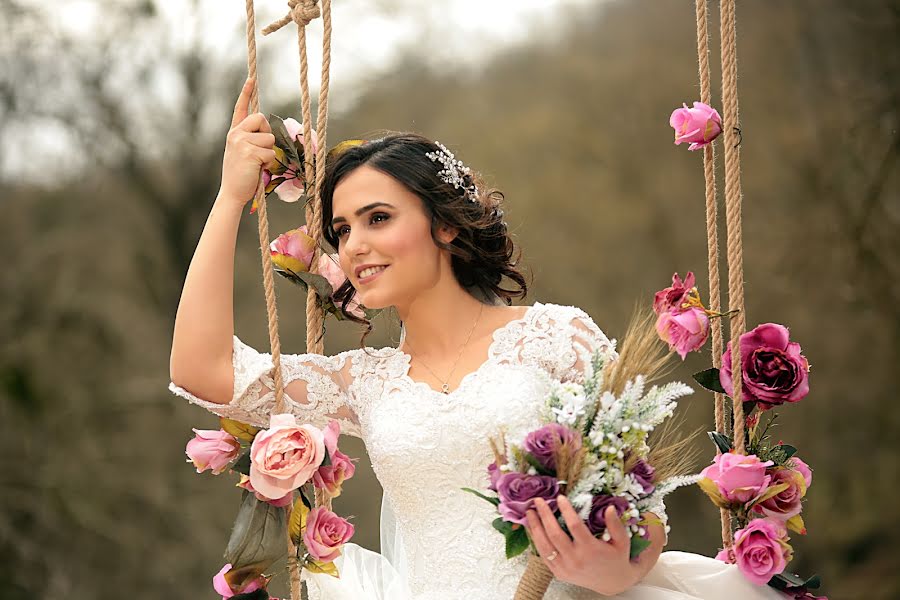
568, 403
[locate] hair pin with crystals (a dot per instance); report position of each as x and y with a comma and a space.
454, 171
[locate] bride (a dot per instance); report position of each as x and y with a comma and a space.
417, 231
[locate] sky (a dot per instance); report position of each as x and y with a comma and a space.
367, 35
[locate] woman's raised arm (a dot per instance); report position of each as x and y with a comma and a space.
201, 358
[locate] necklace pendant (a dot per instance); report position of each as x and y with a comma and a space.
445, 389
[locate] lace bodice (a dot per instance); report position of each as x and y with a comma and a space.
424, 445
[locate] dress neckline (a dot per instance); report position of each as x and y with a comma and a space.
407, 358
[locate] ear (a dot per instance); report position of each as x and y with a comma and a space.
447, 234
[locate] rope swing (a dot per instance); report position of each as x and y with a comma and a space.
301, 12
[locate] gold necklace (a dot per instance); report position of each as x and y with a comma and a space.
445, 385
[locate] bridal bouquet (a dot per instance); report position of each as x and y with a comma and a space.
763, 489
592, 447
275, 464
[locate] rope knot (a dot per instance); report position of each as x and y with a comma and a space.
301, 12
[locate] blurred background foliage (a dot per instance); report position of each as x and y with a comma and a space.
96, 501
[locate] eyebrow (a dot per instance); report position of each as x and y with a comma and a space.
360, 211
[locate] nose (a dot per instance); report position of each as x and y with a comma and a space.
355, 244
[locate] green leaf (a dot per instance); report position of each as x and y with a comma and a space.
257, 539
319, 283
306, 501
515, 534
722, 442
283, 139
492, 500
289, 275
241, 431
516, 543
787, 450
242, 464
638, 545
297, 522
709, 379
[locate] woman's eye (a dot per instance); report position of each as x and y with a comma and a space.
341, 231
380, 217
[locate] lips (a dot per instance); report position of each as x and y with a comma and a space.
367, 273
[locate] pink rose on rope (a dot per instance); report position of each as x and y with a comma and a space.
773, 369
761, 550
211, 449
735, 478
294, 184
331, 477
285, 456
675, 296
293, 250
685, 331
785, 506
699, 125
220, 584
245, 484
330, 269
325, 533
682, 321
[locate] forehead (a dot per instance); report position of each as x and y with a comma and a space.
365, 185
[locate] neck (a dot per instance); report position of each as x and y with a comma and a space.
438, 321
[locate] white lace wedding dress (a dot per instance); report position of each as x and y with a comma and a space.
437, 541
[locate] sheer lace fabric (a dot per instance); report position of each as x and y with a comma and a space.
425, 446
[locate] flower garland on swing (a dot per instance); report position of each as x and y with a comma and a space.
281, 467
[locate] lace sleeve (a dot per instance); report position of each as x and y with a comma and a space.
316, 389
581, 337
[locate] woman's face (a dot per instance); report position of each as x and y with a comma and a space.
384, 239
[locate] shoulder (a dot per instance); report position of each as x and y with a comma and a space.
567, 321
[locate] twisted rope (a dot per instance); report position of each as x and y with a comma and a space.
733, 200
535, 580
712, 234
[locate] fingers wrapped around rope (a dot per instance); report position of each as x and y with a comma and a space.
301, 12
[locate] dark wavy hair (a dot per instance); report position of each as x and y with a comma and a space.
482, 253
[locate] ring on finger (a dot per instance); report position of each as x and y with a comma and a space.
552, 556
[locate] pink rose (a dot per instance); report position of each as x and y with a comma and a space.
675, 296
801, 467
220, 584
772, 368
294, 184
684, 331
331, 477
245, 484
761, 550
787, 503
725, 556
285, 456
738, 479
211, 449
325, 533
293, 250
699, 125
330, 269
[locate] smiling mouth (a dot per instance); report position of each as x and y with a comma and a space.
367, 273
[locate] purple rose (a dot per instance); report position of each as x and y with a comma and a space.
517, 492
643, 472
494, 474
542, 443
596, 521
772, 368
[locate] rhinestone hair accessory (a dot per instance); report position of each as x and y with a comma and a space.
454, 171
